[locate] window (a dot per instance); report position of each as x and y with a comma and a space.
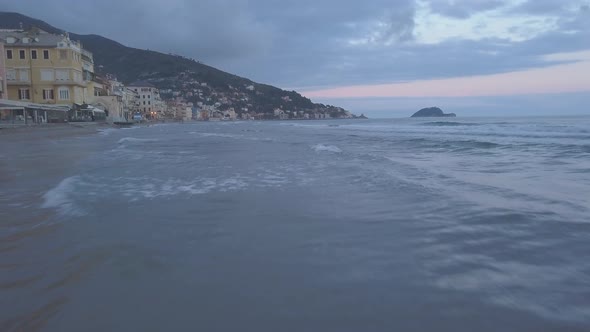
22, 54
48, 94
144, 102
63, 54
46, 54
149, 96
11, 75
149, 102
23, 74
64, 93
24, 94
9, 54
47, 75
34, 54
61, 75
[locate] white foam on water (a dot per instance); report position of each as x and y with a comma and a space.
326, 148
106, 132
219, 135
140, 189
135, 140
61, 197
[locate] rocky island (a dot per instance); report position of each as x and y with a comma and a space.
432, 112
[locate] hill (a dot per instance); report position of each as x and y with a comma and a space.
174, 74
432, 112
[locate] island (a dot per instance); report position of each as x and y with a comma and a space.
431, 112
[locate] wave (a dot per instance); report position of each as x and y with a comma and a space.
454, 145
449, 124
135, 140
326, 148
106, 132
60, 197
472, 144
217, 135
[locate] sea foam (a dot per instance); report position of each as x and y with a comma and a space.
135, 140
326, 148
60, 197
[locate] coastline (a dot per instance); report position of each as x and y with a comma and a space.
49, 131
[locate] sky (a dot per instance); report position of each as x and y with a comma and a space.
384, 58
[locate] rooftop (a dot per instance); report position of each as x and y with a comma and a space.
28, 38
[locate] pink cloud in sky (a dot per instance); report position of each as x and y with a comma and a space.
562, 78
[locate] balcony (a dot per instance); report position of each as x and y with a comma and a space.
87, 58
18, 82
70, 82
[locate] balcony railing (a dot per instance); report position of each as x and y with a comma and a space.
70, 82
18, 82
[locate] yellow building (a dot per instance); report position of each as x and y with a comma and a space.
3, 87
45, 68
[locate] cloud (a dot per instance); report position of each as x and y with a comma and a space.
462, 9
220, 30
561, 78
331, 43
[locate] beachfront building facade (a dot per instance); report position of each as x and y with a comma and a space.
150, 103
3, 88
180, 110
120, 102
44, 68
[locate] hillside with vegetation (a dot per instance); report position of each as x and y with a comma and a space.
177, 76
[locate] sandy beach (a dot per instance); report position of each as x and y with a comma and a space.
49, 131
23, 149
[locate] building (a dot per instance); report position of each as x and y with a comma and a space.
118, 101
44, 68
150, 103
181, 111
14, 112
3, 88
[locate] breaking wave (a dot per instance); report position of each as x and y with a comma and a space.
61, 197
326, 148
135, 140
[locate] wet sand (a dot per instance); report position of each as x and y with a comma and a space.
32, 160
49, 131
24, 149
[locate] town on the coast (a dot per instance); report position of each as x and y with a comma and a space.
51, 78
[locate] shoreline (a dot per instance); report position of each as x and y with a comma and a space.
25, 134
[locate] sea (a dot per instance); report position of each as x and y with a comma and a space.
451, 224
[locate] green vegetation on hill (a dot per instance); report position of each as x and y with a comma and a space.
164, 70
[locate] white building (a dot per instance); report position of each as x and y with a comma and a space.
150, 103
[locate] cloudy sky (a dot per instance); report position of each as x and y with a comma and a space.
382, 57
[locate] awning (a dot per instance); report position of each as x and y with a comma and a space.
14, 104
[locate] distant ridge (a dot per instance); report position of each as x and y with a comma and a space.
163, 70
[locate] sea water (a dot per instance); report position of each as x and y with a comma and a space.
463, 224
